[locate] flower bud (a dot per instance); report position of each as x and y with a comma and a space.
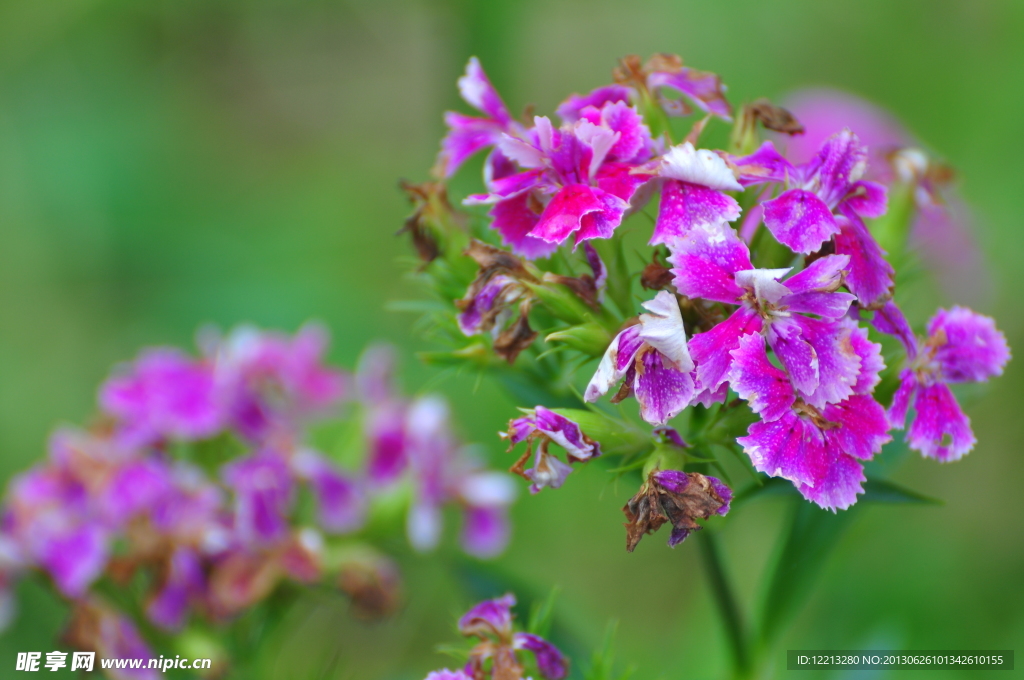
589, 338
562, 302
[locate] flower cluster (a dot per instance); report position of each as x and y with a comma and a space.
412, 439
195, 476
772, 287
498, 654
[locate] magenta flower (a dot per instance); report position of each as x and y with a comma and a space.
676, 88
445, 674
576, 181
551, 663
544, 426
193, 513
341, 501
801, 217
163, 395
444, 472
571, 110
52, 522
942, 227
491, 621
490, 618
714, 264
96, 626
384, 417
818, 449
467, 134
183, 584
962, 346
691, 192
263, 495
272, 383
653, 359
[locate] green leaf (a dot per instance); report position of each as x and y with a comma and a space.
769, 488
561, 302
813, 533
542, 614
884, 491
616, 436
620, 282
602, 664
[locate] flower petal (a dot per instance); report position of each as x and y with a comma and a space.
863, 426
838, 488
870, 353
796, 354
711, 349
485, 531
565, 433
765, 388
663, 391
799, 220
663, 330
569, 110
940, 429
839, 364
514, 220
617, 358
764, 165
706, 260
685, 206
791, 447
477, 91
974, 350
869, 276
701, 87
490, 617
551, 663
698, 166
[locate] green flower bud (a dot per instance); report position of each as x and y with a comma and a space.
590, 338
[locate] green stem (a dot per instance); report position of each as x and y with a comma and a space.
725, 600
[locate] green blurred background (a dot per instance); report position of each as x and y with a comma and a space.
171, 163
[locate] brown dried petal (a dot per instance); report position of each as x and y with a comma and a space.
431, 209
494, 260
584, 286
644, 516
656, 276
517, 337
374, 586
654, 505
241, 581
423, 240
664, 62
630, 71
775, 117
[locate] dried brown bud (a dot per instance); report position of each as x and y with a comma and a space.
774, 117
431, 210
664, 62
374, 584
504, 664
241, 581
656, 276
494, 260
584, 286
678, 498
630, 71
517, 337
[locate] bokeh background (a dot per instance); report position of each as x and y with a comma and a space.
173, 163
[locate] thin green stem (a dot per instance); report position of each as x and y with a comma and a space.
725, 600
